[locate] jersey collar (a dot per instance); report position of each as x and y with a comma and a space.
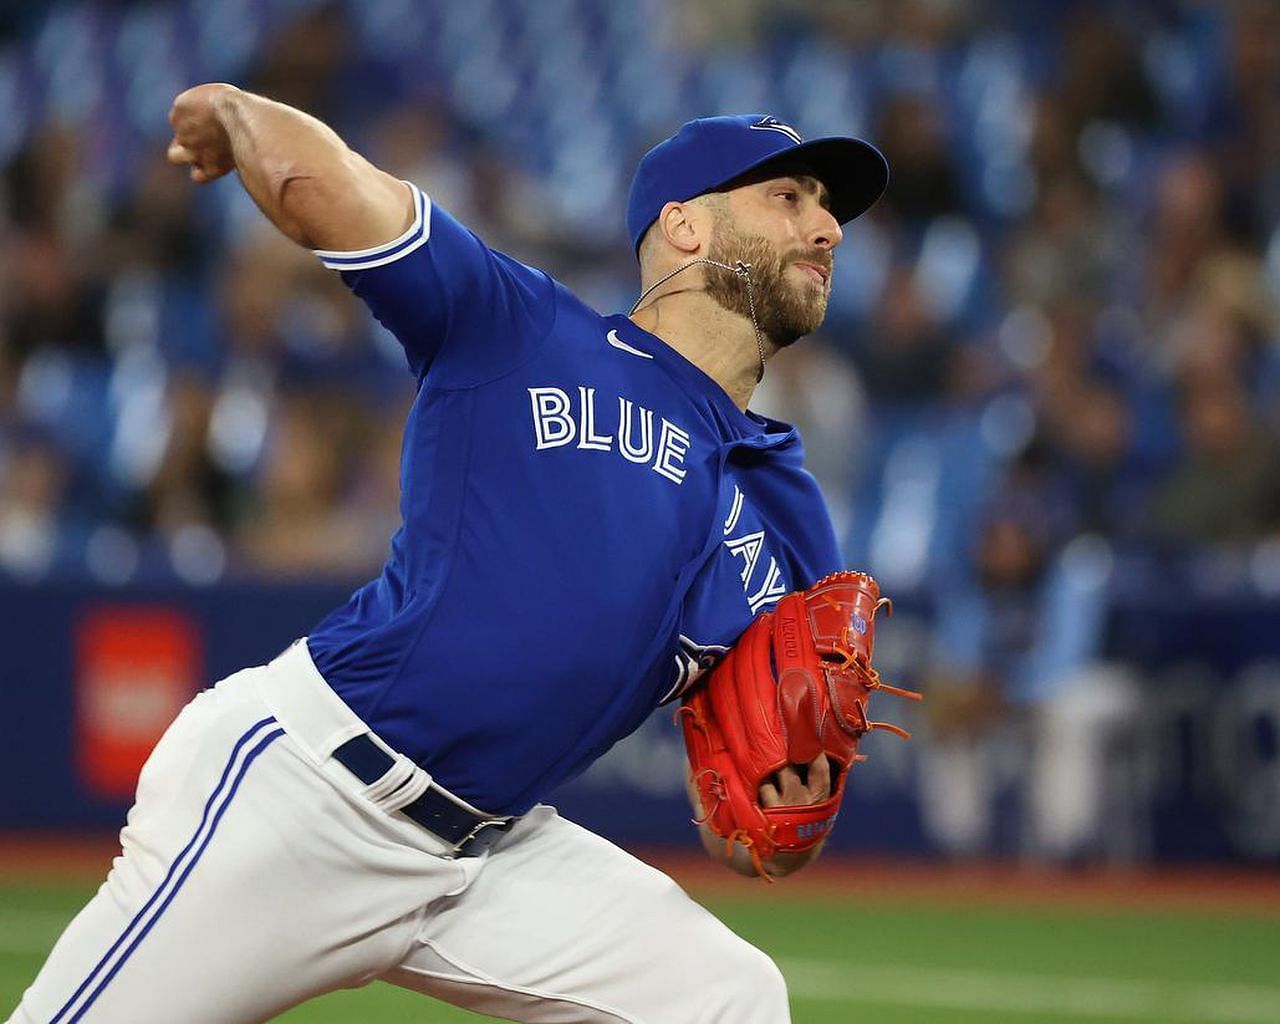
737, 427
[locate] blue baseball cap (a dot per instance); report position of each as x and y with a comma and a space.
709, 153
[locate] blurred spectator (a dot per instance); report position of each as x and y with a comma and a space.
42, 177
415, 143
1053, 148
1067, 248
907, 357
1187, 227
305, 523
924, 184
1022, 711
1243, 118
1227, 488
1103, 485
53, 292
188, 488
986, 631
34, 478
305, 63
50, 304
1103, 77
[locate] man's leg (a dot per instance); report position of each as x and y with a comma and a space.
248, 882
560, 925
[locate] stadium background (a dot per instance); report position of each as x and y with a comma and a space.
1043, 408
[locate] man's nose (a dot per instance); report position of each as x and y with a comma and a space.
826, 232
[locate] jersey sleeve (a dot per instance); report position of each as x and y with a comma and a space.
455, 305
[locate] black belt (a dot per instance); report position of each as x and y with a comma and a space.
468, 833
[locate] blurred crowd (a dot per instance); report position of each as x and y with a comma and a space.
1072, 279
1052, 347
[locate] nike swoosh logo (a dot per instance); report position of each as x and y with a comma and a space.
613, 339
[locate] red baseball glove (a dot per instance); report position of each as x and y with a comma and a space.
794, 686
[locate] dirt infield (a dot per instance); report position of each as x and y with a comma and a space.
1249, 891
1253, 891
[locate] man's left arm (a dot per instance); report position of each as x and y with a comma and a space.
772, 733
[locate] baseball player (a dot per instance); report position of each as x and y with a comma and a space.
590, 516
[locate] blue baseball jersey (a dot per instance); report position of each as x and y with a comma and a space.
588, 521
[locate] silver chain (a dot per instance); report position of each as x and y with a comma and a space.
743, 270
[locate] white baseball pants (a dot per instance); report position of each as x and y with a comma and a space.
257, 872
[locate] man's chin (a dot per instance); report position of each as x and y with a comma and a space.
812, 320
795, 330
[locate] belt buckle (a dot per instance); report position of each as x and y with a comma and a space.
480, 826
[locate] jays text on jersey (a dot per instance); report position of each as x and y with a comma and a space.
587, 520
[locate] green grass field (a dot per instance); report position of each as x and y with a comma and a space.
871, 960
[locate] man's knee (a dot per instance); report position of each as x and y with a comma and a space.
746, 987
769, 988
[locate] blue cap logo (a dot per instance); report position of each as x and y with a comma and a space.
772, 124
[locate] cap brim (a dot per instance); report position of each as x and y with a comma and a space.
855, 172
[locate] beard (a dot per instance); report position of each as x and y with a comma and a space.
784, 309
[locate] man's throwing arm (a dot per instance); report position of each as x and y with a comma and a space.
305, 179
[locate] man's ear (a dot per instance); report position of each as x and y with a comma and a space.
683, 226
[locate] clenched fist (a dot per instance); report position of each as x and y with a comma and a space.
200, 138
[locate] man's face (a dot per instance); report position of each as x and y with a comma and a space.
782, 228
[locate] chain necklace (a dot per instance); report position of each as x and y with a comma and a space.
742, 270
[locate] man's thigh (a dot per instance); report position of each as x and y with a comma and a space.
562, 926
247, 883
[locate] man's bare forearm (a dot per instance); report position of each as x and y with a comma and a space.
305, 179
276, 150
